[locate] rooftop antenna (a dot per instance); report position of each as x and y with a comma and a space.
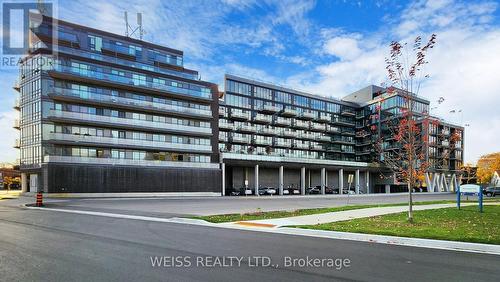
130, 30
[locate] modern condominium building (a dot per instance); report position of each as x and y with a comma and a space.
104, 113
272, 136
100, 112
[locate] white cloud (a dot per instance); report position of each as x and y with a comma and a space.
344, 47
464, 65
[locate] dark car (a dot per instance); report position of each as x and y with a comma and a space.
314, 190
14, 186
491, 191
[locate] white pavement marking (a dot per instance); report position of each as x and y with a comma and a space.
380, 239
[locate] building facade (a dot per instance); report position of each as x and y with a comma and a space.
272, 136
105, 113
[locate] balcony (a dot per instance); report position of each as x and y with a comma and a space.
289, 112
224, 125
324, 118
17, 86
266, 131
342, 121
282, 143
362, 134
317, 127
268, 109
334, 149
445, 132
223, 138
222, 112
360, 124
307, 115
289, 133
128, 123
246, 128
333, 129
300, 145
132, 143
348, 132
72, 94
324, 138
261, 141
348, 112
17, 124
17, 143
342, 140
263, 119
282, 121
365, 142
65, 72
240, 139
308, 136
317, 147
300, 124
17, 104
364, 152
239, 115
445, 143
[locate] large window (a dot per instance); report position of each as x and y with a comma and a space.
237, 101
238, 87
283, 97
263, 93
301, 101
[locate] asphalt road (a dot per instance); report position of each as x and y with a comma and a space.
170, 207
53, 246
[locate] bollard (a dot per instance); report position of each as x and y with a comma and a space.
39, 199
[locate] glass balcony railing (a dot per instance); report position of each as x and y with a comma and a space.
282, 121
17, 124
17, 143
89, 118
17, 104
112, 161
85, 95
131, 82
128, 142
134, 64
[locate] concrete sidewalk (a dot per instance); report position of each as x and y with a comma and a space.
340, 216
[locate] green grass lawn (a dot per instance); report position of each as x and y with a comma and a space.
280, 214
467, 225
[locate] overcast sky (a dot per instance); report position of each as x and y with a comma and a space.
329, 48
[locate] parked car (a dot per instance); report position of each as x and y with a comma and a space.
286, 192
267, 191
293, 191
14, 186
314, 190
491, 191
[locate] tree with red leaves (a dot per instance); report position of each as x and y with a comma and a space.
403, 150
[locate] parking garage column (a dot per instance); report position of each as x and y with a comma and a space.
281, 180
341, 181
302, 180
24, 183
323, 182
223, 182
356, 181
387, 189
367, 175
256, 180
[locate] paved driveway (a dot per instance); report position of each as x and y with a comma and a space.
172, 207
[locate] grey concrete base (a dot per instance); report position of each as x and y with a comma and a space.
126, 195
